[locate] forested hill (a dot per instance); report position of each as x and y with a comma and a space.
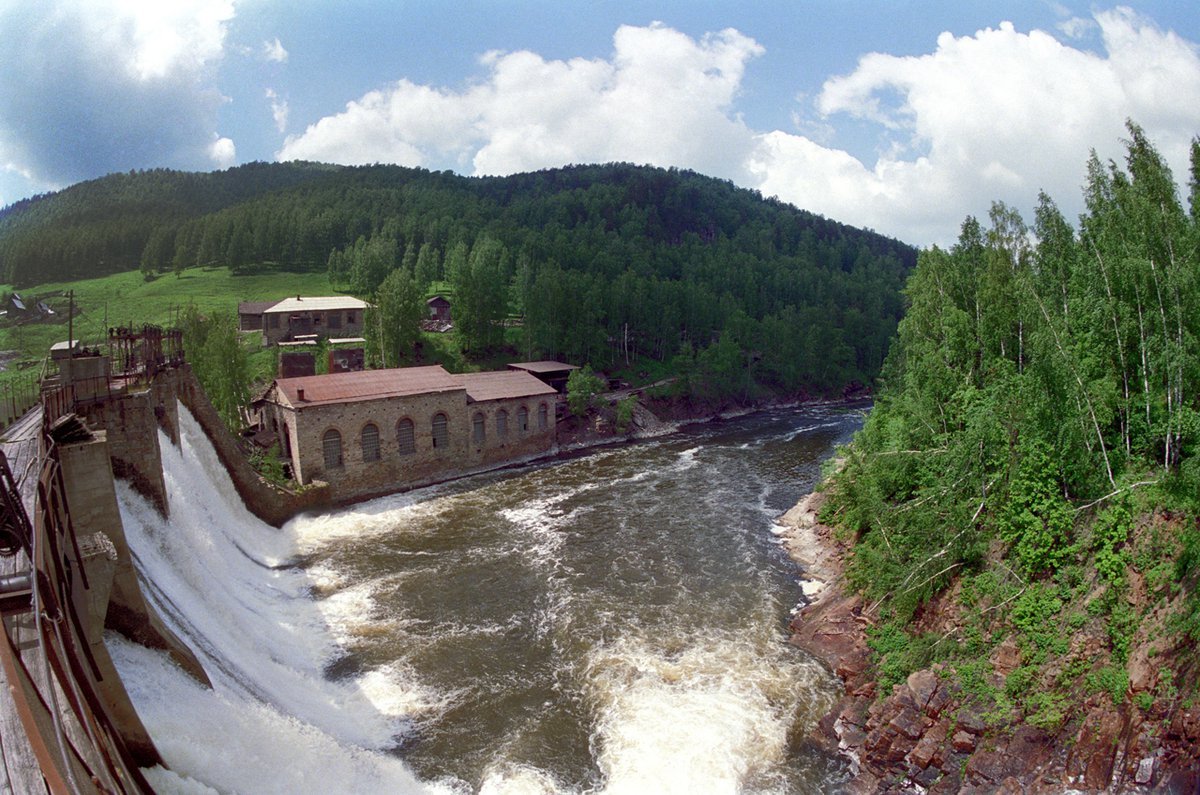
1024, 498
665, 260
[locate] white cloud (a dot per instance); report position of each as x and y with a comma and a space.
997, 115
279, 110
662, 98
274, 51
1000, 114
1076, 27
157, 38
92, 86
222, 151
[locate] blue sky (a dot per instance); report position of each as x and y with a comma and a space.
899, 116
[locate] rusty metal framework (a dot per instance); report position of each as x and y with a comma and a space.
147, 350
53, 679
52, 674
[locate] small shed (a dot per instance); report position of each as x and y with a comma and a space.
250, 314
297, 362
549, 372
347, 355
439, 308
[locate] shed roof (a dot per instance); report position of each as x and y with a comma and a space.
438, 299
544, 366
318, 303
367, 385
254, 307
502, 385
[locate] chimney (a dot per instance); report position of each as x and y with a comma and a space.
300, 393
298, 298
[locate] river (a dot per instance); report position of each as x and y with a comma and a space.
614, 622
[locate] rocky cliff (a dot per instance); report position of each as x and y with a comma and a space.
933, 732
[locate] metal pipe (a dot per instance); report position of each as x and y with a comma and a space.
16, 583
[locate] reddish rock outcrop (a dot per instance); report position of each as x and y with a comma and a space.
926, 736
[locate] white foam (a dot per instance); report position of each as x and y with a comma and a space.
710, 715
272, 722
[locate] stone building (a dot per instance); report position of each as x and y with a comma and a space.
379, 431
312, 317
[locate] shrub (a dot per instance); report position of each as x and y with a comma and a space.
1036, 520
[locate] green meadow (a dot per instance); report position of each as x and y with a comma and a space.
127, 299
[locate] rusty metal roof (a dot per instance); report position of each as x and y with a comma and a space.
367, 385
502, 385
544, 366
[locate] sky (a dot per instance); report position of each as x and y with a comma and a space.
895, 115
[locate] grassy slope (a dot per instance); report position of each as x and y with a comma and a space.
125, 298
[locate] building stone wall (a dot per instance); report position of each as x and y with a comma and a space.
132, 423
277, 326
514, 444
92, 497
302, 432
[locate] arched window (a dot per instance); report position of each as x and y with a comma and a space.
523, 419
406, 437
543, 417
441, 434
478, 434
331, 445
502, 423
370, 442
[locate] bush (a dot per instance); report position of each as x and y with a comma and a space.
625, 408
1037, 521
582, 387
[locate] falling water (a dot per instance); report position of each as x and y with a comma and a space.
609, 623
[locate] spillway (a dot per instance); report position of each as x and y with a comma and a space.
610, 623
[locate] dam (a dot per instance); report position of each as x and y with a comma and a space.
605, 623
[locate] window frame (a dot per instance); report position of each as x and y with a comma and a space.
331, 436
441, 441
406, 446
363, 446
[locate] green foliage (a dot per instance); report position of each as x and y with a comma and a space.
220, 362
1111, 679
1187, 571
624, 419
896, 654
1046, 711
393, 326
582, 387
269, 465
1110, 531
481, 294
611, 264
1036, 373
1035, 616
1036, 521
1121, 627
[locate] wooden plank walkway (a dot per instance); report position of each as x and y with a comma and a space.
19, 769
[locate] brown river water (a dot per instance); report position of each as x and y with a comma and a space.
613, 622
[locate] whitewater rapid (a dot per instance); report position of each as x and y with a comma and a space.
508, 634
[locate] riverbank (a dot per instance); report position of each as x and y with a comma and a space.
932, 734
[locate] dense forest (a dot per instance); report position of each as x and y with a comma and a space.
608, 264
1031, 465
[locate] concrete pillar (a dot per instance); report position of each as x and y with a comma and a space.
132, 426
92, 500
